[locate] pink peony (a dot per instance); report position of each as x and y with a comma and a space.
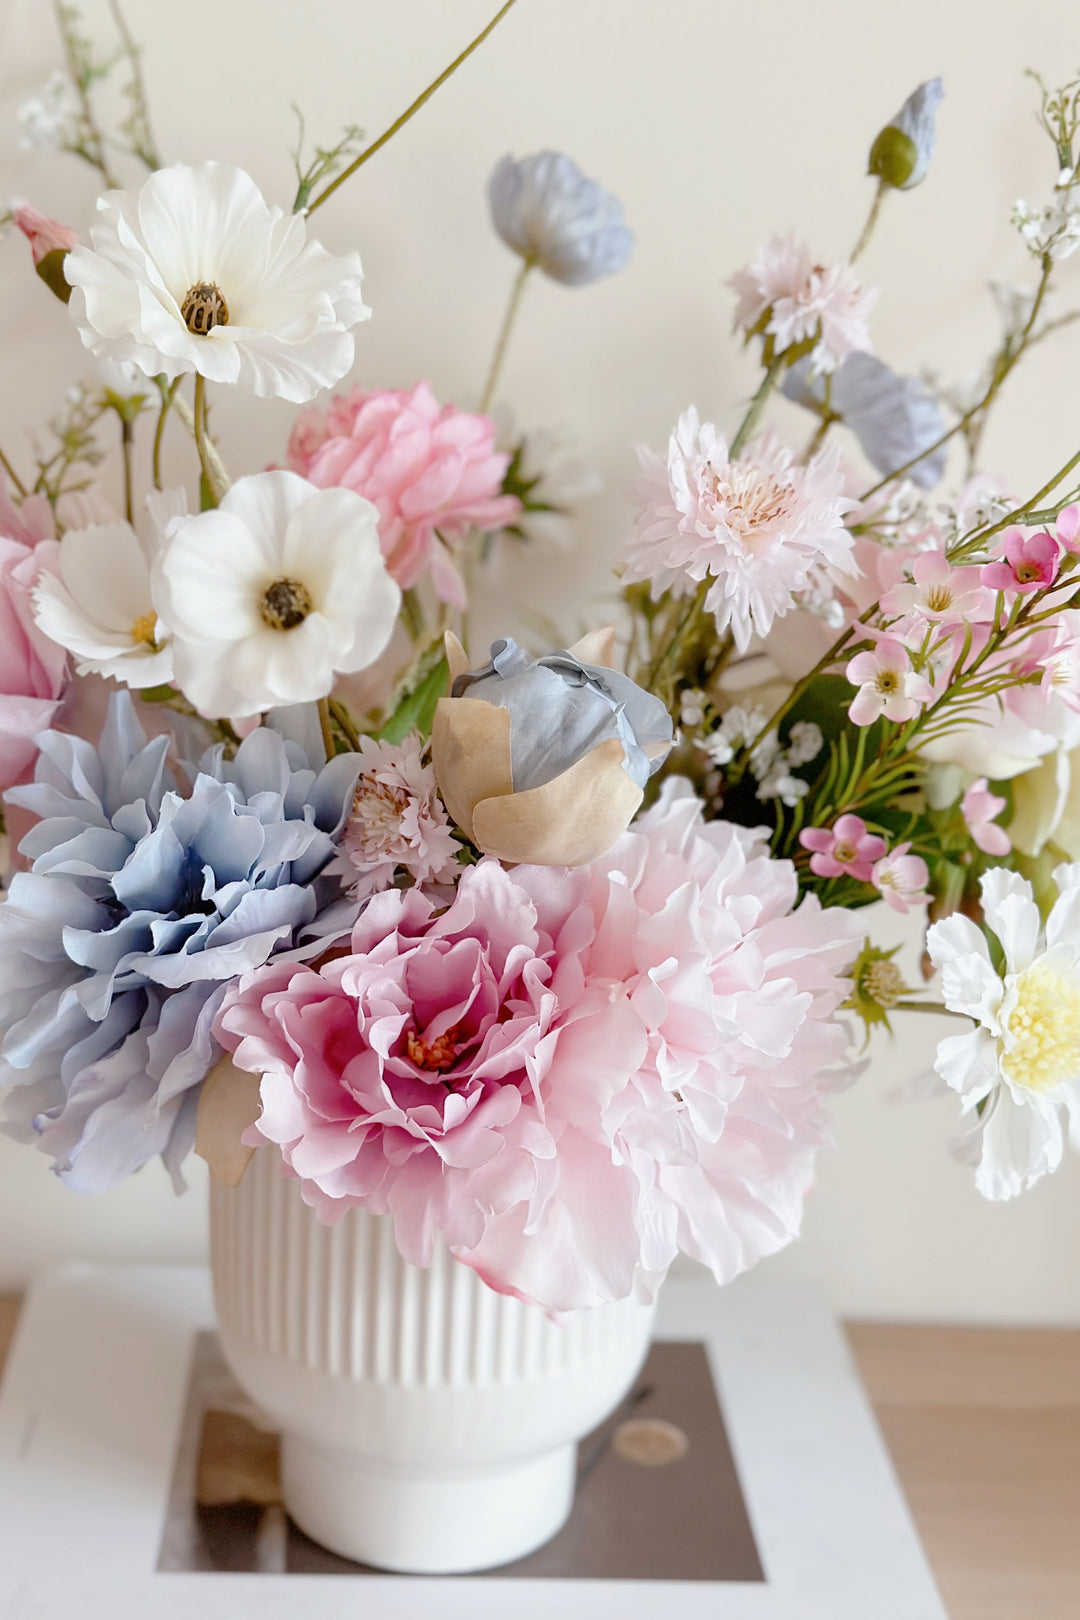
845, 849
566, 1075
804, 302
980, 809
433, 473
397, 822
32, 668
761, 528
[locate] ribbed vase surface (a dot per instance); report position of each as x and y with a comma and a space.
428, 1424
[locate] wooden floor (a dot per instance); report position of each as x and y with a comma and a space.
984, 1429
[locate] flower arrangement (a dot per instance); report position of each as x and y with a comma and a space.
555, 959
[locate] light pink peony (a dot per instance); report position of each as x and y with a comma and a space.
397, 822
32, 668
433, 473
567, 1075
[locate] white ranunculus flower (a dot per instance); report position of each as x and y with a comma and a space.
197, 272
1018, 1071
99, 605
272, 593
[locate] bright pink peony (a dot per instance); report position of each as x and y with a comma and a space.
433, 473
568, 1076
32, 668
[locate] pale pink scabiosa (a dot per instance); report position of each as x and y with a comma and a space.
980, 809
1018, 1072
1026, 564
567, 1075
799, 303
846, 849
397, 822
761, 528
888, 685
901, 879
432, 472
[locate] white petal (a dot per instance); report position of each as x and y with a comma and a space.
1020, 1144
1063, 923
1011, 912
106, 571
968, 1064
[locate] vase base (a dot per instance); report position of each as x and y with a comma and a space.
423, 1523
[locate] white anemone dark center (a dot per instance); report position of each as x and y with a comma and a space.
204, 307
285, 604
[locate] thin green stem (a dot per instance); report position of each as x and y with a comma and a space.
757, 405
504, 334
20, 487
127, 434
209, 460
871, 221
142, 136
425, 95
1030, 508
92, 148
168, 394
326, 725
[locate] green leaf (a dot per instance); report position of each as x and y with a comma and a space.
207, 502
157, 694
416, 711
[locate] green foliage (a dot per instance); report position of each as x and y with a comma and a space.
415, 709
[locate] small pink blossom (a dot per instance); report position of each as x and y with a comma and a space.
1054, 655
805, 302
980, 808
1067, 528
939, 593
44, 235
33, 669
901, 879
432, 472
887, 683
1026, 564
397, 822
845, 849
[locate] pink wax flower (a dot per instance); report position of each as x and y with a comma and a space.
567, 1075
888, 685
845, 849
980, 809
1054, 654
939, 593
1026, 564
901, 879
432, 472
33, 669
44, 235
1067, 528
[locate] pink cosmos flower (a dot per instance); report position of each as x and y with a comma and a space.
901, 879
566, 1075
44, 235
939, 593
761, 527
804, 302
397, 822
1026, 565
845, 849
432, 472
33, 669
980, 808
887, 684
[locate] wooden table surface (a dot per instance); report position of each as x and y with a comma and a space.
984, 1429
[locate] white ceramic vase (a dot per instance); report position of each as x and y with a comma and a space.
428, 1424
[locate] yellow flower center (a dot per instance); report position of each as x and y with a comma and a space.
1041, 1048
844, 852
1027, 573
888, 681
144, 630
939, 598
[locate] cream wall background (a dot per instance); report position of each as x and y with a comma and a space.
715, 123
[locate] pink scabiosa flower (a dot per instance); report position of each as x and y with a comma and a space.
432, 472
939, 593
397, 822
901, 879
980, 809
888, 685
1025, 565
845, 849
803, 303
566, 1075
761, 528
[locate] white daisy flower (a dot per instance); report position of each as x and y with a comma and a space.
197, 272
272, 592
1019, 1070
98, 604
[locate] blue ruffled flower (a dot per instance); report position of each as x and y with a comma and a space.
554, 217
894, 418
141, 905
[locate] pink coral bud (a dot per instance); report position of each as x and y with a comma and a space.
50, 243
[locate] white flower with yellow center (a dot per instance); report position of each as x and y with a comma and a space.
98, 604
197, 272
1019, 1071
270, 594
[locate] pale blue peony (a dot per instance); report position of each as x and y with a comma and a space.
141, 905
894, 418
554, 217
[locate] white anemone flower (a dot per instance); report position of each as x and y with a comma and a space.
1019, 1070
99, 604
273, 592
197, 272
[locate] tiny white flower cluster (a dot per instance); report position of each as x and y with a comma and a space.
771, 763
692, 707
1053, 229
49, 121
